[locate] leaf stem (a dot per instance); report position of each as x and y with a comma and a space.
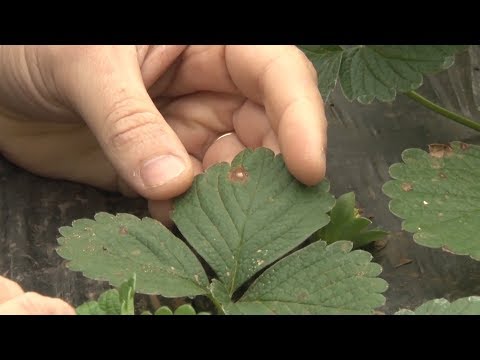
442, 111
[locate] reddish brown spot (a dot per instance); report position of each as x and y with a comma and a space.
123, 230
464, 146
442, 175
238, 174
407, 187
439, 150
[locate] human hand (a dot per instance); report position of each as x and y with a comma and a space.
14, 301
100, 115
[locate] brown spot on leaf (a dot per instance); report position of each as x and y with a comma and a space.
442, 175
123, 230
238, 174
464, 146
407, 187
439, 150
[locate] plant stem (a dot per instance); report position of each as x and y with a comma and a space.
442, 111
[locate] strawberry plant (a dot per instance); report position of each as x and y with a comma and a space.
249, 221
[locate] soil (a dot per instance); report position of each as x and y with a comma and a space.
364, 140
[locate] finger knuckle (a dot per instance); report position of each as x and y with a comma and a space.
129, 125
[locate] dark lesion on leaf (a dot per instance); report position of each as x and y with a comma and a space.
442, 175
238, 174
123, 230
440, 150
464, 146
407, 187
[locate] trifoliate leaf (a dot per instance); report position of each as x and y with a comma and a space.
368, 72
438, 196
114, 247
317, 279
243, 217
347, 224
465, 306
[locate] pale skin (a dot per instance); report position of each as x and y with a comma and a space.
144, 120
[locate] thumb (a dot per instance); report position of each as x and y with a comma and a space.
110, 95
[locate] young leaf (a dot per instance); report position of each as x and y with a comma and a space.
243, 217
108, 304
367, 72
437, 194
164, 310
126, 296
318, 279
112, 302
113, 247
465, 306
346, 224
185, 309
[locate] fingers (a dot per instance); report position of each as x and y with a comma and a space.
34, 304
13, 301
281, 78
160, 210
9, 289
224, 149
106, 87
253, 128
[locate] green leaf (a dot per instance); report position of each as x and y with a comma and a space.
243, 217
113, 247
163, 310
108, 304
112, 302
464, 306
126, 296
185, 309
346, 224
318, 279
327, 60
438, 196
368, 72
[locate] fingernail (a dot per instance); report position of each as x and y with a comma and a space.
161, 169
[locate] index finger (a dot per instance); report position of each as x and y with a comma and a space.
283, 80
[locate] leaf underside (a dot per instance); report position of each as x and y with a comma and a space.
112, 248
243, 217
318, 279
